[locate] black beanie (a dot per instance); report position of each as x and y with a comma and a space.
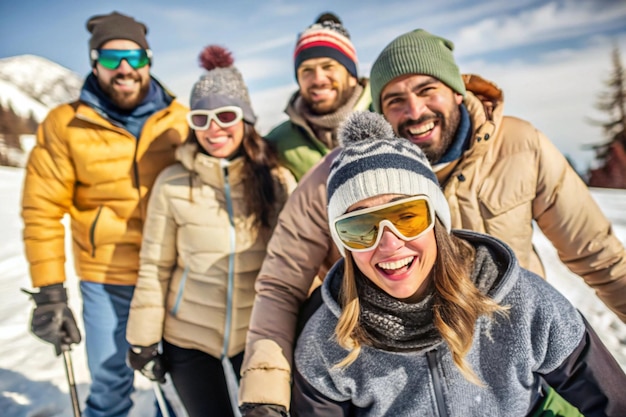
106, 27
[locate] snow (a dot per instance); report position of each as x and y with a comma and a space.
22, 104
32, 378
32, 84
39, 77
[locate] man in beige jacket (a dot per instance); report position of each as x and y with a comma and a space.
498, 173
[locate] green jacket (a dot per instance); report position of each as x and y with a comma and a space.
297, 145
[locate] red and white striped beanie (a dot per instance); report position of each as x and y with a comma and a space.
326, 38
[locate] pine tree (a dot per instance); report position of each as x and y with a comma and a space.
611, 154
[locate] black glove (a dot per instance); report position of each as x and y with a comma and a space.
52, 320
148, 361
262, 410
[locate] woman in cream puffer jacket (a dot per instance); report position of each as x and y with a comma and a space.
200, 256
209, 220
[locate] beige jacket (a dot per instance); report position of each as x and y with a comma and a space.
101, 175
510, 176
200, 257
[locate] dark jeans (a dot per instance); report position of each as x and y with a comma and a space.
200, 381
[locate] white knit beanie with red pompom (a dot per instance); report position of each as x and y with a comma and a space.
373, 161
222, 85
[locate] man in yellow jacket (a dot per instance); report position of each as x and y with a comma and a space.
96, 160
499, 175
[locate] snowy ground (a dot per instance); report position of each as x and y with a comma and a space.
32, 378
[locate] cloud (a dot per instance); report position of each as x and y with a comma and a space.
280, 8
262, 68
440, 17
269, 105
557, 93
547, 22
268, 45
485, 26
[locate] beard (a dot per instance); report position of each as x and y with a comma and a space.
448, 126
323, 108
125, 100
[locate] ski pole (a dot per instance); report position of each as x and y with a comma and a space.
69, 372
158, 393
231, 384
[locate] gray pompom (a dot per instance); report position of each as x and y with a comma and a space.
363, 125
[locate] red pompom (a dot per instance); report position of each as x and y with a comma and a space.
214, 56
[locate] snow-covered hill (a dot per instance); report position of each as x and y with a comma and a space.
31, 84
11, 96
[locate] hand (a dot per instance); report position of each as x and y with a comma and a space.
52, 320
262, 410
148, 361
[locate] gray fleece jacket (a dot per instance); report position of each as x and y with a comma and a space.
541, 331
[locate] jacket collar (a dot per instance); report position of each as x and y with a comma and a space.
496, 269
209, 169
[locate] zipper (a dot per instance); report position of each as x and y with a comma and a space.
231, 258
434, 371
142, 209
179, 294
92, 233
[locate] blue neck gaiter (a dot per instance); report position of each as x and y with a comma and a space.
461, 139
132, 120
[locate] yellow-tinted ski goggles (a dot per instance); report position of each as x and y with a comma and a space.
361, 230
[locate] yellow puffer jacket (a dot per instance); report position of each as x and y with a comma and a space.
200, 256
101, 175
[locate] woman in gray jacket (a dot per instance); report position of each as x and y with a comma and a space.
417, 320
209, 219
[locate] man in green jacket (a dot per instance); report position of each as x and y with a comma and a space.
499, 174
329, 89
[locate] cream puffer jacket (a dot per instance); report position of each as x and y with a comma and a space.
200, 256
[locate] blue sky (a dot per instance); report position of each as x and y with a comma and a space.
549, 57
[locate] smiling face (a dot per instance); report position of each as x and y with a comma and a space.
398, 267
221, 142
325, 84
424, 110
125, 85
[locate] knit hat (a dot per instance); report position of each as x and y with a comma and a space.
222, 85
373, 161
106, 27
326, 38
416, 52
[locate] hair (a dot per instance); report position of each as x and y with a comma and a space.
260, 158
457, 302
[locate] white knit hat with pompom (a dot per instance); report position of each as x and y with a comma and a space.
373, 161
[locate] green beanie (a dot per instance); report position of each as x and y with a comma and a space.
416, 52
